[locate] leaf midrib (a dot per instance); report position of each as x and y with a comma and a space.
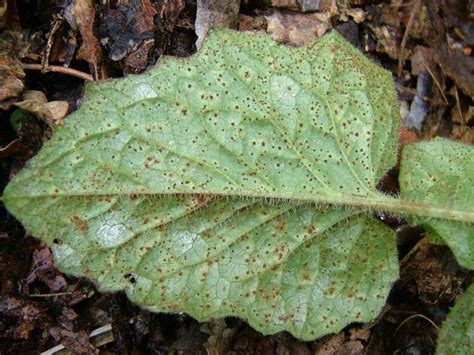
381, 202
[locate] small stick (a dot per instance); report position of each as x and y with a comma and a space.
417, 246
98, 337
57, 24
438, 85
419, 315
416, 93
59, 69
49, 294
458, 104
411, 20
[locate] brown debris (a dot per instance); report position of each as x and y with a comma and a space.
52, 112
43, 270
421, 59
303, 5
451, 57
138, 60
9, 15
215, 14
297, 29
11, 71
90, 50
11, 81
170, 13
330, 345
292, 5
431, 273
250, 23
26, 316
220, 336
387, 40
464, 134
78, 341
124, 29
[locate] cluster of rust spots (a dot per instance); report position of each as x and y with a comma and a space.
80, 223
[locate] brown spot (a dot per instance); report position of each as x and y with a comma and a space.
280, 227
80, 223
201, 200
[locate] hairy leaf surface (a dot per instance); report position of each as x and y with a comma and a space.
201, 185
441, 173
457, 331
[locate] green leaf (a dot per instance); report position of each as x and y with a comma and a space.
279, 266
441, 173
211, 185
457, 331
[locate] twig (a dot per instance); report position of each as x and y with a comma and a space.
418, 315
49, 294
9, 148
417, 246
57, 24
401, 5
416, 93
438, 85
458, 104
98, 337
411, 20
58, 69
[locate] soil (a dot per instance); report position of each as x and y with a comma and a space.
41, 307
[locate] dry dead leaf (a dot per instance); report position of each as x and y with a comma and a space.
138, 60
463, 133
357, 14
330, 346
90, 50
387, 40
124, 29
297, 29
421, 59
170, 13
220, 336
215, 14
283, 4
11, 80
52, 112
252, 23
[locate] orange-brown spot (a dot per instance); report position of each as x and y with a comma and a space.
80, 223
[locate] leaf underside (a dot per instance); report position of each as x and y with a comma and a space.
200, 185
441, 172
457, 331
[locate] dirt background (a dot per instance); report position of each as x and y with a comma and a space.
50, 48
